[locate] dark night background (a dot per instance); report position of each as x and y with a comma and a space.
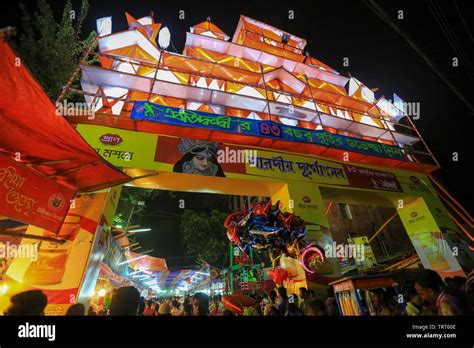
379, 57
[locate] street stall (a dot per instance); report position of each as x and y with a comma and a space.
121, 267
353, 294
53, 191
245, 275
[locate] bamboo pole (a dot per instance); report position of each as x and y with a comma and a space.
383, 226
329, 207
461, 227
449, 195
31, 236
76, 72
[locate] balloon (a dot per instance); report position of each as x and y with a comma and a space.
233, 234
278, 275
265, 228
244, 300
237, 302
310, 256
231, 305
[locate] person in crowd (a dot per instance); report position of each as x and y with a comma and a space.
449, 282
460, 283
188, 310
77, 309
126, 301
141, 306
200, 304
414, 305
274, 312
176, 308
272, 296
315, 308
258, 304
103, 311
164, 309
282, 300
330, 303
149, 311
91, 311
432, 289
215, 308
381, 303
303, 293
263, 303
221, 305
310, 296
293, 308
253, 310
157, 306
31, 302
186, 300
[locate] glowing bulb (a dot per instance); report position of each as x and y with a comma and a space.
164, 38
102, 292
3, 289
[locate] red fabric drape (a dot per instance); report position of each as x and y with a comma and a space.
31, 128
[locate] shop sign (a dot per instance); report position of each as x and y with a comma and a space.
29, 198
181, 117
372, 179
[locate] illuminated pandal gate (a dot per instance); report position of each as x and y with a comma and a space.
159, 115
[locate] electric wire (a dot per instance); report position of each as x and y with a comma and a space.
463, 21
448, 32
380, 12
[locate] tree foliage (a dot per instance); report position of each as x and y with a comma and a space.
52, 49
205, 235
129, 198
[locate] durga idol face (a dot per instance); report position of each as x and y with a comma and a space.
201, 162
199, 158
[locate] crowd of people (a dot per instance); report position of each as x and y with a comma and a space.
429, 295
277, 302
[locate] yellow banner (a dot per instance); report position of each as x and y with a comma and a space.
120, 147
416, 184
293, 167
430, 244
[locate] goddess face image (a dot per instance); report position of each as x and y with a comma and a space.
199, 157
201, 162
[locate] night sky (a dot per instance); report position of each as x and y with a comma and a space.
378, 56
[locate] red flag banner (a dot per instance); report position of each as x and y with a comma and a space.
27, 197
32, 131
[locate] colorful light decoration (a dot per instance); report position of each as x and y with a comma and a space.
310, 257
3, 289
139, 230
164, 38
